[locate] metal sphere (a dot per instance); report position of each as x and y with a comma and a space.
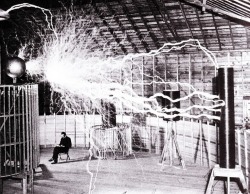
15, 67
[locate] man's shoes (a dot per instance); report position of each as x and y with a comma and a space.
51, 159
54, 163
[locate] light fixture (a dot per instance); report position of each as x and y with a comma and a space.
15, 67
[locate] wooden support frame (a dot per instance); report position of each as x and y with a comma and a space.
228, 173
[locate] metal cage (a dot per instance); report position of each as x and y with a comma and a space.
19, 140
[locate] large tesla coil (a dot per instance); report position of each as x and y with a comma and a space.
19, 144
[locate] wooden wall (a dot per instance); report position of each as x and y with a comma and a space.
195, 69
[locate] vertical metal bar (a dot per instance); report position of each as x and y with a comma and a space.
5, 130
34, 150
14, 128
19, 127
24, 141
37, 127
9, 127
27, 126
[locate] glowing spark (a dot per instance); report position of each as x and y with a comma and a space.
27, 5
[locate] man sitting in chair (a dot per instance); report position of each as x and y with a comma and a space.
63, 147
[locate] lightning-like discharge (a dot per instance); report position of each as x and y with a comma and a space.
79, 64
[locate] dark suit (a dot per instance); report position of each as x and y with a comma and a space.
63, 147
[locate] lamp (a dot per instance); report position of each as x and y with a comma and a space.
15, 67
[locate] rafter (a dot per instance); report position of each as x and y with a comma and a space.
157, 21
112, 32
122, 27
108, 43
186, 21
202, 32
166, 21
135, 28
217, 33
152, 36
185, 17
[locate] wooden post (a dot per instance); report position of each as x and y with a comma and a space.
209, 144
201, 146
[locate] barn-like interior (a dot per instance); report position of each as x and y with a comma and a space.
154, 95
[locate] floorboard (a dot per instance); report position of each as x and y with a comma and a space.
136, 174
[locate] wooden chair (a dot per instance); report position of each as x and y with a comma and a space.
64, 153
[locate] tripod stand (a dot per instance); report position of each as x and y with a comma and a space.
170, 143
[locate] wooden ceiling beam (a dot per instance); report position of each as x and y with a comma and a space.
108, 43
185, 17
157, 21
151, 34
167, 22
135, 28
110, 29
217, 32
122, 27
202, 32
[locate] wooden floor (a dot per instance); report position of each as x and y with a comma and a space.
137, 174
